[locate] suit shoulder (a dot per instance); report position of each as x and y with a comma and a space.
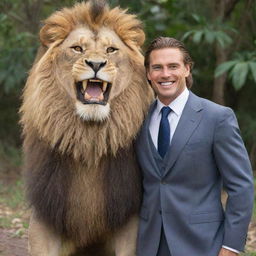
213, 112
216, 109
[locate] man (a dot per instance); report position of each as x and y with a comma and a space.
188, 149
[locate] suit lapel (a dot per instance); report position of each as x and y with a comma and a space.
189, 120
146, 137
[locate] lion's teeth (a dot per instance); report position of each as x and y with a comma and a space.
95, 80
85, 84
101, 97
95, 99
104, 86
87, 96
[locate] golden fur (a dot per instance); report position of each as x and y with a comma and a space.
48, 108
91, 144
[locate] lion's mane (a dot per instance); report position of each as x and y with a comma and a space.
82, 176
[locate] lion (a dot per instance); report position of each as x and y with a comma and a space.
83, 104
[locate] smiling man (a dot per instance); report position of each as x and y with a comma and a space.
189, 149
167, 73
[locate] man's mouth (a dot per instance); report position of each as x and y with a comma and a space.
166, 83
93, 91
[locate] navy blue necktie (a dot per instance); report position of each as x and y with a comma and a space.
164, 132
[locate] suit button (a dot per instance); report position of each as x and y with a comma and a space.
163, 182
160, 212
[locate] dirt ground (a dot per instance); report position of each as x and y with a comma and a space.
13, 238
14, 246
251, 239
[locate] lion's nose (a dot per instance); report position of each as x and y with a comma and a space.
96, 66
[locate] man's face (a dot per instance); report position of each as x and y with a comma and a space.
167, 73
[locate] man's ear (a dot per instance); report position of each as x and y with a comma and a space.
148, 76
188, 70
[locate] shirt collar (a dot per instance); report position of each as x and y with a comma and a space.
177, 105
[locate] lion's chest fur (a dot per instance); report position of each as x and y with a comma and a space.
80, 203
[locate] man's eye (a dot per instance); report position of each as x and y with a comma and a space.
111, 49
77, 48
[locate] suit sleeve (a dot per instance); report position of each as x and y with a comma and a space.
234, 166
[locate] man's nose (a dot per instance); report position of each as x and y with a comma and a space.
165, 72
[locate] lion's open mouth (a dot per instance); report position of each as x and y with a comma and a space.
93, 91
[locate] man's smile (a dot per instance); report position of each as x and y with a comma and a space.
169, 83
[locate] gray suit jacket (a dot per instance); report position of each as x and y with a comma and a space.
182, 192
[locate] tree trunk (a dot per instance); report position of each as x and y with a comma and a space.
222, 11
220, 81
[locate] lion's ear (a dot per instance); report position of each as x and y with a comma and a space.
139, 37
56, 27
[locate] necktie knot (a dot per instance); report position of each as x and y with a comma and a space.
165, 111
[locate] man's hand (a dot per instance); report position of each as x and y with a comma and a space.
226, 252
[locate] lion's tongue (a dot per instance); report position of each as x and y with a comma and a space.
94, 90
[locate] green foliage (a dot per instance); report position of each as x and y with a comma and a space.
247, 122
10, 153
239, 74
224, 67
252, 65
16, 55
194, 21
249, 254
254, 205
155, 16
209, 33
12, 195
13, 207
9, 130
240, 69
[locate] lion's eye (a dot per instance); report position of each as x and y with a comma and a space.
111, 49
77, 48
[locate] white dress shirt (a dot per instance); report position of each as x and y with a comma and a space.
177, 107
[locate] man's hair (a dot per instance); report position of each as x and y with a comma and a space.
169, 42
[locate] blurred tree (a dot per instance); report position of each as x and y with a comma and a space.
222, 12
151, 12
241, 68
215, 31
19, 25
219, 34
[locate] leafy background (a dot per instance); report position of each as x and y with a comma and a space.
220, 35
